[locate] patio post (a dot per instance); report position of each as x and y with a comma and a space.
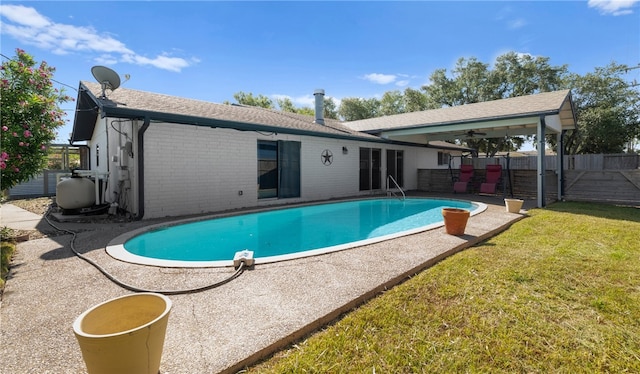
541, 161
560, 163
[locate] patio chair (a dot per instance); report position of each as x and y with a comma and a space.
492, 179
461, 185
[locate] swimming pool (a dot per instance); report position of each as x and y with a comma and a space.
283, 234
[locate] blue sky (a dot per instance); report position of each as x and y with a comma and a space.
209, 50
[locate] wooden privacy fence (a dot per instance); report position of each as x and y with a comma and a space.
621, 161
43, 184
598, 178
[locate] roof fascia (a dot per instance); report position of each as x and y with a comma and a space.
123, 112
419, 129
87, 108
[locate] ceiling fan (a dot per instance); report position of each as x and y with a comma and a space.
472, 133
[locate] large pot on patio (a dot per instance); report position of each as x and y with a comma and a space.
455, 220
513, 205
124, 335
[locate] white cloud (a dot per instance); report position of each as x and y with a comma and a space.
24, 15
517, 23
30, 27
501, 52
380, 78
613, 7
308, 101
402, 83
106, 59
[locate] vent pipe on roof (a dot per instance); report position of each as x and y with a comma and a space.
319, 95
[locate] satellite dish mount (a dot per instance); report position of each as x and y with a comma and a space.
108, 79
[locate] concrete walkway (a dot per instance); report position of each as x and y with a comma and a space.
17, 218
216, 331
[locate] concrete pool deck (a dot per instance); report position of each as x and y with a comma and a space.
220, 330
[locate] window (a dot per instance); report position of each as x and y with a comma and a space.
395, 166
370, 168
278, 169
443, 158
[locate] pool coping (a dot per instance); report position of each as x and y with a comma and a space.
115, 248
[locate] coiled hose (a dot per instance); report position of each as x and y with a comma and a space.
129, 287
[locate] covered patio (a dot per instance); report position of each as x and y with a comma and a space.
549, 113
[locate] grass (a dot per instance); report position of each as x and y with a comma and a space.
7, 247
557, 292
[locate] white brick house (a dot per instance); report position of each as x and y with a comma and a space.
171, 156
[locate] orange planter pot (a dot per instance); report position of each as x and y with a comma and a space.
455, 220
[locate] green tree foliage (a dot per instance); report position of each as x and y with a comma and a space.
356, 108
416, 101
284, 104
30, 115
392, 102
608, 112
469, 83
520, 74
330, 109
250, 100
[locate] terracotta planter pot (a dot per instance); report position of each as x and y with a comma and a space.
513, 205
455, 220
124, 335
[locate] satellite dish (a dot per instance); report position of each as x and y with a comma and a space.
107, 78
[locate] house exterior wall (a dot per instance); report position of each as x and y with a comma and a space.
194, 170
98, 148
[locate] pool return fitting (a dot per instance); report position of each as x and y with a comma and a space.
241, 261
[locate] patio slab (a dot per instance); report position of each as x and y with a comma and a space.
220, 330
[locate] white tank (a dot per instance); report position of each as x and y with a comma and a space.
75, 193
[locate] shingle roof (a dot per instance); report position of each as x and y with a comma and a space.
488, 110
193, 109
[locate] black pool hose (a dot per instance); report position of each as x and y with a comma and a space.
129, 287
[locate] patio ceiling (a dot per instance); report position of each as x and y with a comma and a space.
499, 118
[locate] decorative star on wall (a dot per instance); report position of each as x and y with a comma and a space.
327, 157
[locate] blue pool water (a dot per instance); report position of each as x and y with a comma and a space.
282, 232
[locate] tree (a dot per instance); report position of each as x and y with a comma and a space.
330, 109
470, 83
415, 101
30, 115
522, 74
250, 100
490, 146
286, 105
356, 108
392, 102
607, 111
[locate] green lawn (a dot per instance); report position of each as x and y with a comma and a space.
557, 292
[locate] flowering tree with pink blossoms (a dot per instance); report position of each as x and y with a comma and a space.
30, 116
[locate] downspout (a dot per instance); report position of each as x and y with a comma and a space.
145, 126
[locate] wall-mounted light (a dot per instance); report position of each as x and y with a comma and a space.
345, 150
